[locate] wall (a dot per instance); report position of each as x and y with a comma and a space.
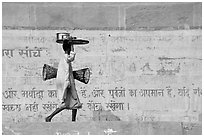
145, 60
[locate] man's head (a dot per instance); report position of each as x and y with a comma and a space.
66, 46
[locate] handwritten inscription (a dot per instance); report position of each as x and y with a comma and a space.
114, 93
52, 93
24, 53
166, 71
7, 52
50, 106
35, 81
120, 39
195, 37
26, 66
83, 92
151, 92
95, 106
117, 92
11, 107
98, 93
147, 92
33, 73
183, 92
197, 91
114, 106
29, 52
133, 92
32, 107
169, 91
112, 98
33, 93
35, 39
10, 93
144, 118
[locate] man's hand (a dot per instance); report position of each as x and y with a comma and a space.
67, 84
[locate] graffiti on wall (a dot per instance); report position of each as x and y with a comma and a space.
130, 61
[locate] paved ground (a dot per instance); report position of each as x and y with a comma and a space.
103, 128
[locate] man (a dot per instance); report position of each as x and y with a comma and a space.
66, 84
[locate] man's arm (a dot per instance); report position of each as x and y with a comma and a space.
72, 48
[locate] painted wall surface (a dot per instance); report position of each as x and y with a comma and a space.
102, 16
145, 60
147, 76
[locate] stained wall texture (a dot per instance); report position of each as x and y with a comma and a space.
145, 60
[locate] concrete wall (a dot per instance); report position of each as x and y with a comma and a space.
102, 16
150, 52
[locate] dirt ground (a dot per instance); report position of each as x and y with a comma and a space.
102, 128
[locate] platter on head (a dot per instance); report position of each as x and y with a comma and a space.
72, 40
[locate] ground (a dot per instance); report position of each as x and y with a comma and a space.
103, 128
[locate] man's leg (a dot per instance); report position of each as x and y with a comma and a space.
74, 112
49, 118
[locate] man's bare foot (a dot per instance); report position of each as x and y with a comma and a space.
48, 119
77, 105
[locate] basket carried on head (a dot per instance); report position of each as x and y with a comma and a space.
82, 75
